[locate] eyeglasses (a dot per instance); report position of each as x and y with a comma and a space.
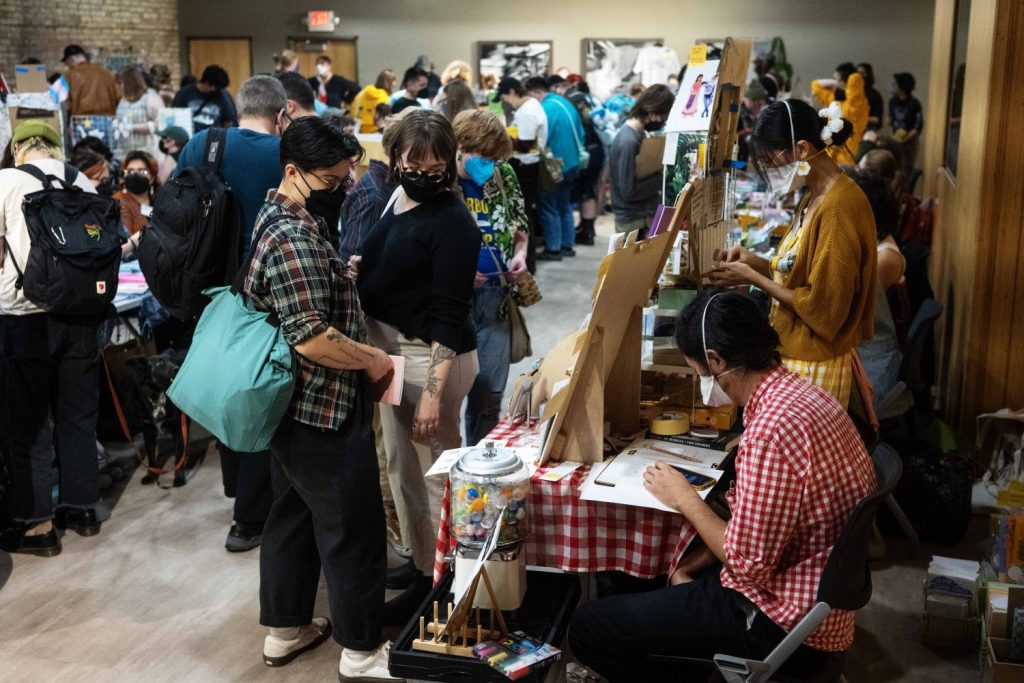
136, 171
343, 184
415, 176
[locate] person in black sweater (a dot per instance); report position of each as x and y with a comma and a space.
331, 89
415, 280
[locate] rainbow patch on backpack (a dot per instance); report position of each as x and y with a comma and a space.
93, 231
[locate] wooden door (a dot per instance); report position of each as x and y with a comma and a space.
342, 51
234, 55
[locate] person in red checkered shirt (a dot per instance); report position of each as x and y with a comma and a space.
800, 471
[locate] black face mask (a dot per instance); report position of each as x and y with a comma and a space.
420, 190
163, 150
136, 184
654, 126
105, 188
326, 205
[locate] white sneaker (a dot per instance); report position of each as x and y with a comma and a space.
366, 666
278, 651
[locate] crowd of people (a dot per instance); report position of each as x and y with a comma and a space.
415, 258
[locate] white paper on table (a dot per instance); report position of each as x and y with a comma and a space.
447, 459
627, 470
393, 395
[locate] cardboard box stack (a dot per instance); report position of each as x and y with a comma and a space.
1003, 652
950, 616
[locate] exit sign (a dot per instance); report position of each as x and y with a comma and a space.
320, 21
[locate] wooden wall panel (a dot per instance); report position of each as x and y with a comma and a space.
978, 257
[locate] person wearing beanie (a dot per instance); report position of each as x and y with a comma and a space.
91, 88
429, 92
172, 141
52, 367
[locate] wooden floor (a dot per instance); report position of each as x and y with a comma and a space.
155, 597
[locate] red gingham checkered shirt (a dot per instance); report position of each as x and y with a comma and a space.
801, 469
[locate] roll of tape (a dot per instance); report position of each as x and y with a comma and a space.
670, 424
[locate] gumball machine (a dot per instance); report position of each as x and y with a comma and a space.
487, 485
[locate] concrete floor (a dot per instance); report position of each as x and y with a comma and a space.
155, 597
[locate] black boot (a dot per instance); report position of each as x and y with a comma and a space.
585, 232
84, 522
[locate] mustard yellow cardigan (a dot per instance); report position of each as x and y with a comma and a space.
833, 279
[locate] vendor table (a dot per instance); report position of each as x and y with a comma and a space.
577, 535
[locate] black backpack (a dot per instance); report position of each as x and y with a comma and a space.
75, 248
193, 238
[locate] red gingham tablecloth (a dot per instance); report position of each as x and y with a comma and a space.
584, 536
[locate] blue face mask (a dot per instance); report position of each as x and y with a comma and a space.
479, 169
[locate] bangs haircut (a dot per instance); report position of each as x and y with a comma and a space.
313, 144
423, 134
481, 132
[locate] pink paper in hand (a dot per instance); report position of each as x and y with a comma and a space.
393, 394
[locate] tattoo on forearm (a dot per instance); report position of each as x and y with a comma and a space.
438, 355
348, 347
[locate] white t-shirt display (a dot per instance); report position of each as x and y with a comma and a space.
532, 124
655, 64
14, 185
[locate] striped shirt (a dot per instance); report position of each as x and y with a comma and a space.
297, 273
800, 471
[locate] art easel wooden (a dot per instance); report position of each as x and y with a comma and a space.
455, 636
604, 380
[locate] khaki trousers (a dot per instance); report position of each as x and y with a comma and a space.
418, 499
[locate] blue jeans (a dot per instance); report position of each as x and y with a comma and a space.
555, 210
493, 350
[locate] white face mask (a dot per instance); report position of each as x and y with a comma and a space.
322, 69
784, 179
711, 391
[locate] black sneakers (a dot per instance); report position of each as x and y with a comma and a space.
243, 537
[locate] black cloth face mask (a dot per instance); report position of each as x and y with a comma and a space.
136, 184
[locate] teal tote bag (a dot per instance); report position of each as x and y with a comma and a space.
239, 374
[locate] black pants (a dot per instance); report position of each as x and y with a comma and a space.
246, 478
327, 514
699, 619
529, 177
52, 367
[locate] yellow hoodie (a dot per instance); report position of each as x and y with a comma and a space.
855, 110
365, 105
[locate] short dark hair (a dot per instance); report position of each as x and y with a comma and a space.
424, 133
187, 80
735, 327
869, 73
883, 202
772, 131
324, 58
382, 110
555, 79
845, 70
215, 76
656, 99
413, 73
297, 88
312, 144
94, 144
905, 82
536, 83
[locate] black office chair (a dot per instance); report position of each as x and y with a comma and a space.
845, 584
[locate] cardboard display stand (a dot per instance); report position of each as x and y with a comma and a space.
603, 379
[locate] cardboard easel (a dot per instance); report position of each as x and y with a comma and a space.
604, 380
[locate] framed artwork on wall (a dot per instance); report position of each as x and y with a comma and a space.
611, 65
518, 59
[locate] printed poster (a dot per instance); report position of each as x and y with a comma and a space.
692, 109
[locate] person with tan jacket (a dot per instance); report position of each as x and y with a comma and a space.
92, 89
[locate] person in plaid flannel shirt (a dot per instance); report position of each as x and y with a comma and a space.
327, 516
800, 471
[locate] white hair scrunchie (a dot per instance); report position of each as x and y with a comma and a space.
833, 113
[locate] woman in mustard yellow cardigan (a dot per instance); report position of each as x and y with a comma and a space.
822, 280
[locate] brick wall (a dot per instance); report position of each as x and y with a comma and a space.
105, 28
